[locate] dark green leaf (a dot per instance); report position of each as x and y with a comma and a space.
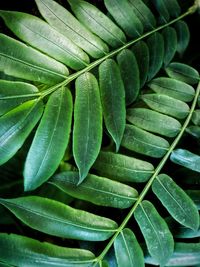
196, 117
173, 8
161, 6
194, 131
55, 218
170, 44
127, 250
183, 35
113, 99
194, 195
87, 133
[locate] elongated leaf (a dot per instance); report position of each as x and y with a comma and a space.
15, 90
162, 9
183, 35
158, 238
194, 131
183, 73
173, 8
123, 168
144, 142
23, 251
196, 117
186, 158
153, 121
98, 190
127, 250
55, 218
172, 88
50, 141
40, 35
113, 99
170, 44
16, 125
156, 54
64, 22
97, 22
141, 52
87, 133
22, 61
124, 15
194, 195
176, 201
130, 74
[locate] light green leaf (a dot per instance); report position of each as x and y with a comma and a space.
87, 133
113, 99
158, 238
50, 141
173, 88
167, 105
170, 44
21, 61
141, 52
55, 218
156, 54
153, 121
124, 15
130, 74
24, 251
183, 35
123, 168
16, 125
11, 94
176, 201
65, 23
196, 117
95, 189
183, 73
43, 37
143, 142
97, 22
186, 159
127, 250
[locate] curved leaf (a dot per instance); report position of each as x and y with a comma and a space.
161, 7
173, 8
113, 99
55, 218
196, 117
194, 195
40, 35
98, 190
16, 125
21, 61
87, 132
50, 141
127, 250
97, 22
183, 35
170, 44
123, 168
158, 238
144, 142
64, 22
23, 251
176, 201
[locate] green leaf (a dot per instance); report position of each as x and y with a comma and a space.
98, 190
176, 201
24, 251
173, 88
127, 250
153, 121
158, 238
161, 7
130, 74
11, 94
144, 142
156, 54
196, 117
193, 131
183, 73
97, 22
124, 15
170, 44
16, 125
113, 99
87, 133
65, 23
141, 52
194, 195
40, 35
123, 168
22, 61
173, 8
50, 141
183, 35
167, 105
186, 159
55, 218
